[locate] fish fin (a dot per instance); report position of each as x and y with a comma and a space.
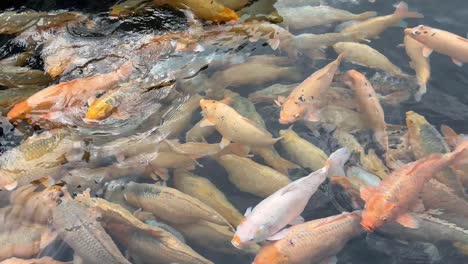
367, 192
274, 43
160, 174
330, 260
418, 206
227, 100
280, 101
336, 162
451, 137
47, 238
407, 220
224, 143
401, 45
403, 12
403, 24
457, 62
248, 211
427, 51
11, 186
312, 117
280, 235
297, 221
205, 123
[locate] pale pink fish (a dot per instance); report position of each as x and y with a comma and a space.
267, 220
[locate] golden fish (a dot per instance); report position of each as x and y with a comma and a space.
271, 93
178, 117
205, 9
43, 260
252, 177
364, 55
369, 105
419, 63
193, 150
205, 191
14, 77
170, 204
13, 22
302, 101
297, 18
233, 126
273, 159
302, 151
374, 26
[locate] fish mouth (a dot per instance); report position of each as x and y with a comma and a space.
368, 228
283, 122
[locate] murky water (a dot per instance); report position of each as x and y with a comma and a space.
107, 106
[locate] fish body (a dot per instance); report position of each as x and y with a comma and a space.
205, 9
12, 77
43, 260
178, 117
317, 241
364, 55
398, 193
233, 126
285, 206
170, 204
369, 105
14, 22
301, 102
301, 151
374, 26
419, 63
337, 116
424, 140
297, 18
313, 45
269, 94
252, 177
66, 95
12, 96
441, 41
202, 189
194, 150
24, 242
78, 227
273, 159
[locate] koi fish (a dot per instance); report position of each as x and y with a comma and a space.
419, 63
302, 101
398, 193
369, 105
374, 26
316, 241
444, 42
267, 220
233, 126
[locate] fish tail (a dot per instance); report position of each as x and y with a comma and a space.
366, 15
403, 12
422, 90
336, 161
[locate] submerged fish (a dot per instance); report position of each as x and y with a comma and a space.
398, 193
419, 63
78, 227
302, 101
297, 18
316, 241
170, 204
369, 105
205, 9
365, 55
444, 42
13, 22
267, 220
14, 77
43, 260
251, 177
233, 126
374, 26
205, 191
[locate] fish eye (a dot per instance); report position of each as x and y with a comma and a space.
417, 32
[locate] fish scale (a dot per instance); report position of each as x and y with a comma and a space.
74, 223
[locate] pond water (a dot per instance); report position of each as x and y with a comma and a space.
143, 131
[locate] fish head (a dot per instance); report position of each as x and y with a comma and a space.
19, 111
291, 112
353, 78
420, 33
414, 120
270, 254
377, 212
99, 110
248, 233
208, 107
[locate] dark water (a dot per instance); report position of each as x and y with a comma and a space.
446, 102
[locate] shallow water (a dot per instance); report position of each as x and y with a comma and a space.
165, 105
